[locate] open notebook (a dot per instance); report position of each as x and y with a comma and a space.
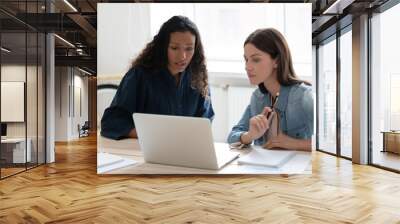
266, 157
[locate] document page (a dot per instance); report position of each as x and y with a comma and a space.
266, 157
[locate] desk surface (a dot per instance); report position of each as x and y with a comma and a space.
391, 132
130, 149
12, 140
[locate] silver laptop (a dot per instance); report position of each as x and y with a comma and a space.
180, 141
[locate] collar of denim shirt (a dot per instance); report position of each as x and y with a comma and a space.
282, 99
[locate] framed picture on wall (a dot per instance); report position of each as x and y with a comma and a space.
12, 101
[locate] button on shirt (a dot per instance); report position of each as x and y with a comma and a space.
295, 107
154, 92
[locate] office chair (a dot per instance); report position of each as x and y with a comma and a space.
84, 130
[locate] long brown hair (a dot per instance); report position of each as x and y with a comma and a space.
155, 54
271, 41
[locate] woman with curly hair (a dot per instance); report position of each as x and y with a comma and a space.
168, 77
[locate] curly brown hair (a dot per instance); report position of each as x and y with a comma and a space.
155, 54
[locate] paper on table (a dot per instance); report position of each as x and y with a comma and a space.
265, 157
107, 162
105, 159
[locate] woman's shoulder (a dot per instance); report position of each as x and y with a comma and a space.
139, 73
301, 97
300, 91
256, 96
133, 76
136, 71
301, 87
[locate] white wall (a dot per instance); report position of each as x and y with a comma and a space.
80, 84
121, 34
67, 112
61, 103
14, 73
229, 103
33, 126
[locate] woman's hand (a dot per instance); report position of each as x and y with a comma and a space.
258, 125
282, 141
279, 141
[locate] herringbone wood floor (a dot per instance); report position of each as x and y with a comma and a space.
70, 191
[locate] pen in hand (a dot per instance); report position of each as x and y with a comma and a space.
273, 103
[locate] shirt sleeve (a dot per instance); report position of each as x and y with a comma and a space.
117, 120
242, 126
308, 110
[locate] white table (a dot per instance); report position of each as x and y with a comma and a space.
130, 149
18, 149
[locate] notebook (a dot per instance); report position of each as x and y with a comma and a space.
106, 159
265, 157
107, 162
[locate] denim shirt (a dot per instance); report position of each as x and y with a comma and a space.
295, 106
155, 92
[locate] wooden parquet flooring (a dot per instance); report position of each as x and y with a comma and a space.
70, 191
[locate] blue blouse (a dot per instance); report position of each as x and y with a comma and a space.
155, 92
295, 106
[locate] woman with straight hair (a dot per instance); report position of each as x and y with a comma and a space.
168, 77
280, 114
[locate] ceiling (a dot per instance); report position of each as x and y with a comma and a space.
76, 22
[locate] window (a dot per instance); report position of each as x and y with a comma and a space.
22, 64
385, 85
346, 94
224, 28
327, 96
